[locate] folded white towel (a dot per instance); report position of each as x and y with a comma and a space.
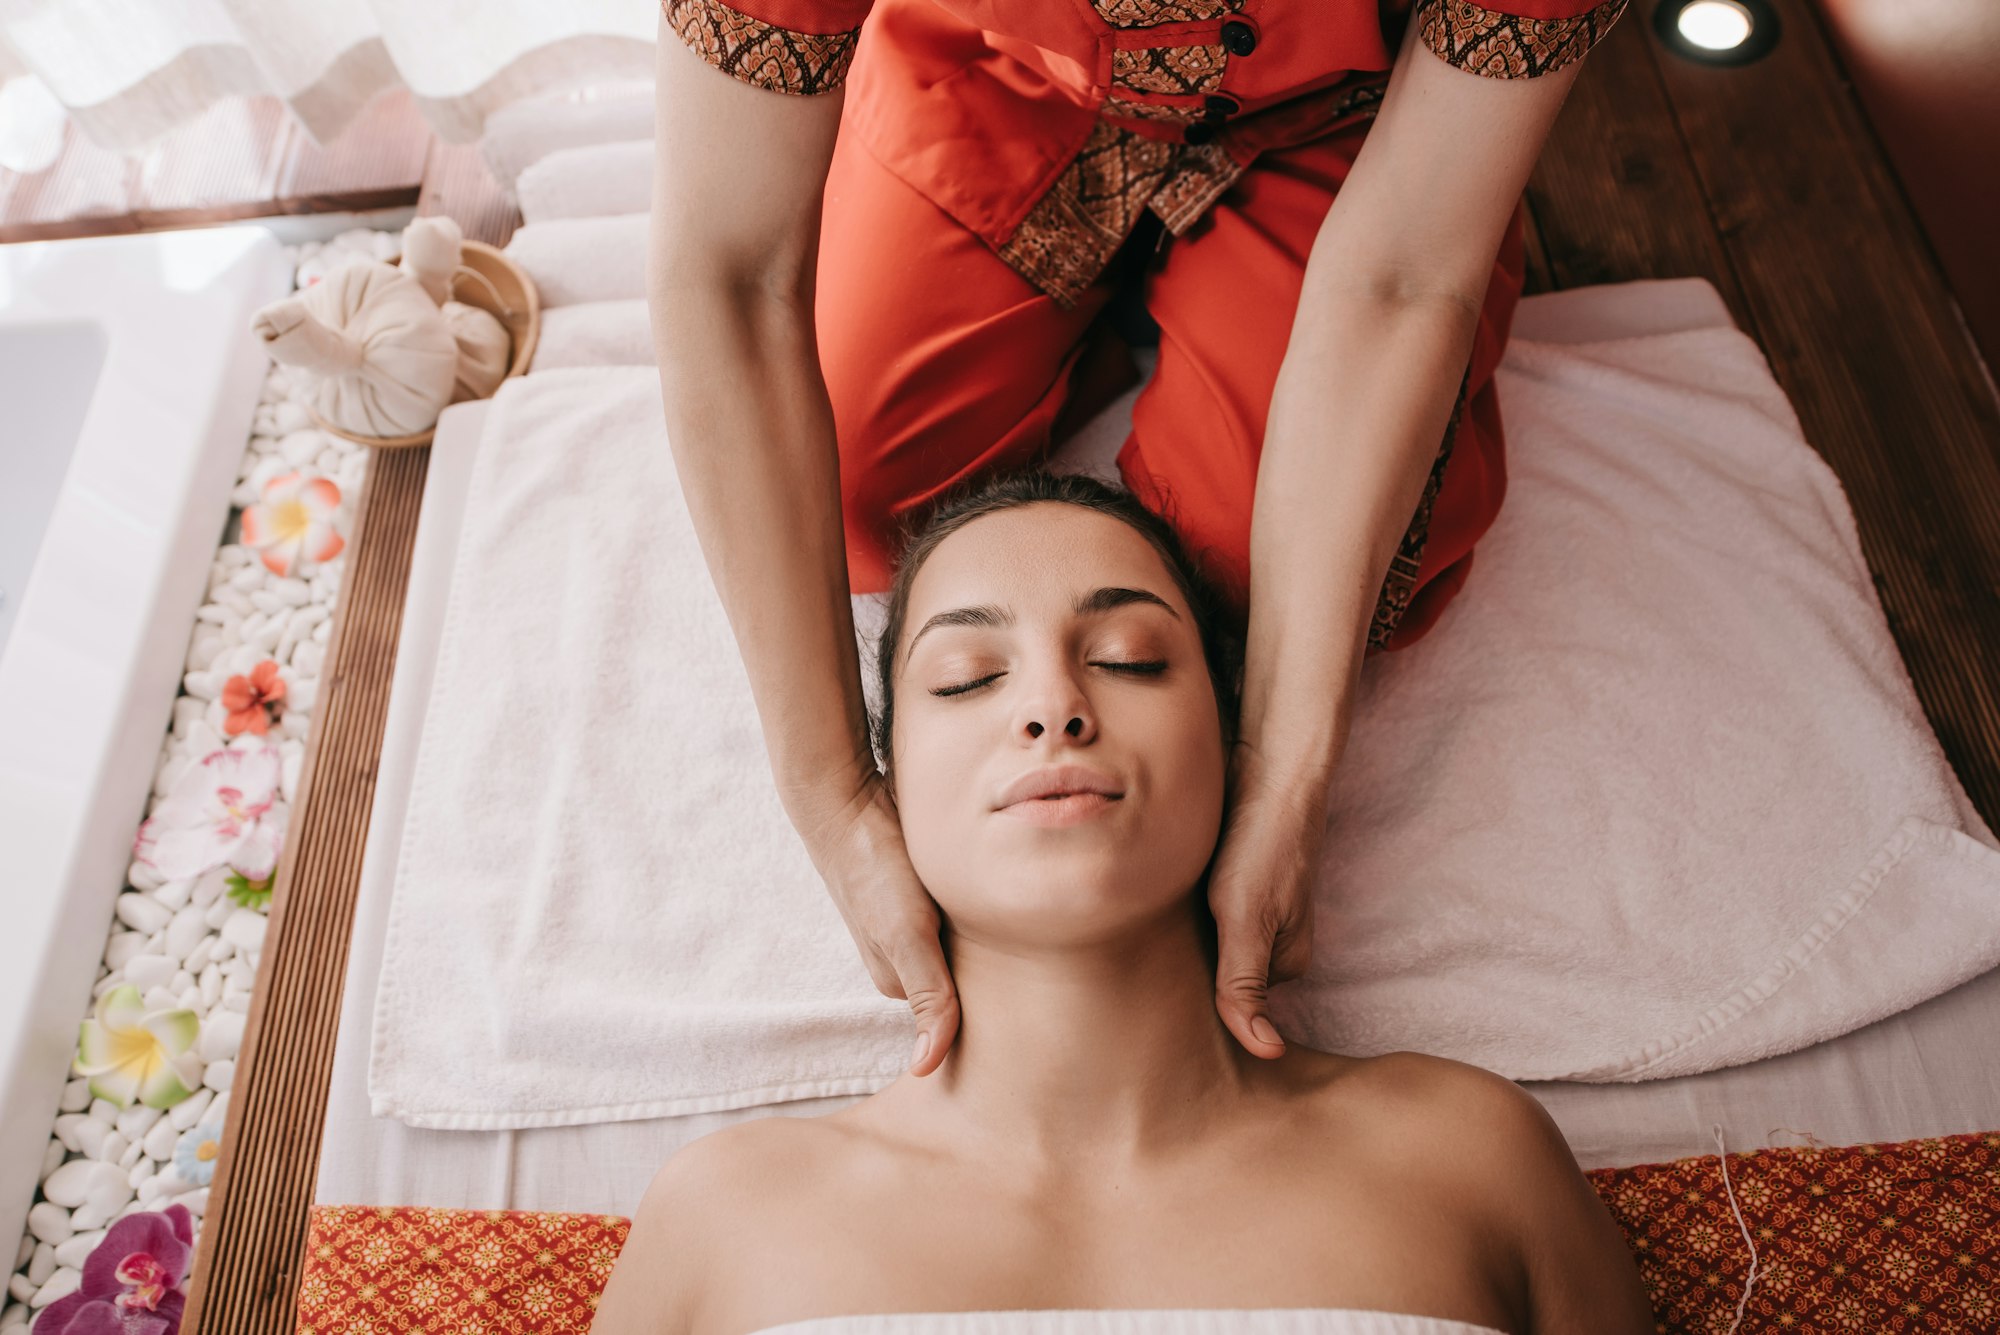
588, 181
1656, 796
521, 134
1118, 1321
601, 910
595, 333
576, 260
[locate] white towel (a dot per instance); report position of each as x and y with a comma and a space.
601, 910
576, 260
595, 333
521, 134
588, 181
1654, 797
1126, 1321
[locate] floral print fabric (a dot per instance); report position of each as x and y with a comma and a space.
1885, 1237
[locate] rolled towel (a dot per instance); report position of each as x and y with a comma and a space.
521, 135
596, 333
588, 182
575, 260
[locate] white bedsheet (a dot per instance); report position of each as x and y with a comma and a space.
1931, 1070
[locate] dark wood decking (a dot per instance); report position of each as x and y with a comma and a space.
1765, 180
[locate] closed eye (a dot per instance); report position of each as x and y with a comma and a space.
1149, 668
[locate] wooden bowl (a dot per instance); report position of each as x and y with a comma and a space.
486, 278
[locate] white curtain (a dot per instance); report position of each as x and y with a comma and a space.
125, 72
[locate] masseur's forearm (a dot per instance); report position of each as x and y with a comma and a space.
752, 436
1359, 410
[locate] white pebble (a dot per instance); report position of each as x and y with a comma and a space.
245, 929
323, 631
211, 987
20, 1287
174, 894
216, 613
89, 1136
23, 1252
62, 1284
196, 1202
219, 1074
188, 928
189, 1110
53, 1155
49, 1222
42, 1264
77, 1249
236, 601
235, 1001
68, 1125
288, 417
108, 1193
159, 999
142, 914
210, 887
221, 1036
181, 982
152, 1189
146, 971
132, 1155
114, 1144
218, 913
89, 1216
159, 1144
137, 1120
140, 1170
250, 578
308, 657
71, 1185
104, 1111
204, 951
202, 685
292, 592
76, 1095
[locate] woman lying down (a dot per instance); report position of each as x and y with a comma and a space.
1097, 1152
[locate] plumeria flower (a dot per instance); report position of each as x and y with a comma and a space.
222, 809
132, 1053
131, 1279
250, 700
196, 1151
294, 522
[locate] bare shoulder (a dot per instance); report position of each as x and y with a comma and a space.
1503, 1156
703, 1210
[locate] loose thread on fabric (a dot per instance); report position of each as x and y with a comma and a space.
1722, 1153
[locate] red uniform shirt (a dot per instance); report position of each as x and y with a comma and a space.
1046, 126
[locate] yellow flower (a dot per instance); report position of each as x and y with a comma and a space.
131, 1053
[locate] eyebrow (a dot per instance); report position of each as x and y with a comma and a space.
1089, 604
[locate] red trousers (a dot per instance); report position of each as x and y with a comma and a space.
942, 362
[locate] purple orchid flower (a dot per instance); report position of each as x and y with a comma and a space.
131, 1280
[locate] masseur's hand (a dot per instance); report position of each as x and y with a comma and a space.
893, 919
1260, 890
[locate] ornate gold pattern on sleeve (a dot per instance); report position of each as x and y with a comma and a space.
1399, 586
1509, 46
760, 53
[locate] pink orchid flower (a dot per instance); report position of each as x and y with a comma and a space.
294, 522
224, 808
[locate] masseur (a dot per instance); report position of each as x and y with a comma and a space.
879, 257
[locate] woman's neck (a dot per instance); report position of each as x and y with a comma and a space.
1106, 1054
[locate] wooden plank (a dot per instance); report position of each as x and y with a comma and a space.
1861, 332
1614, 195
242, 158
246, 1263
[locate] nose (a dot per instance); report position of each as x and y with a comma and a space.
1056, 701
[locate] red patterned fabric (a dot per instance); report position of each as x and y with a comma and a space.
1875, 1238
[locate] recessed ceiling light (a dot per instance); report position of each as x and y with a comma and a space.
1717, 32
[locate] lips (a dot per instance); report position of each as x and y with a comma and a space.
1052, 781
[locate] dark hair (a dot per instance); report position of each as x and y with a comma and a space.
1215, 618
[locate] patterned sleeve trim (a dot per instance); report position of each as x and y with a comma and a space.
1510, 46
760, 53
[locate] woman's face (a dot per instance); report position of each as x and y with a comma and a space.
1001, 678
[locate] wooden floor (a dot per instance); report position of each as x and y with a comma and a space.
1765, 180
